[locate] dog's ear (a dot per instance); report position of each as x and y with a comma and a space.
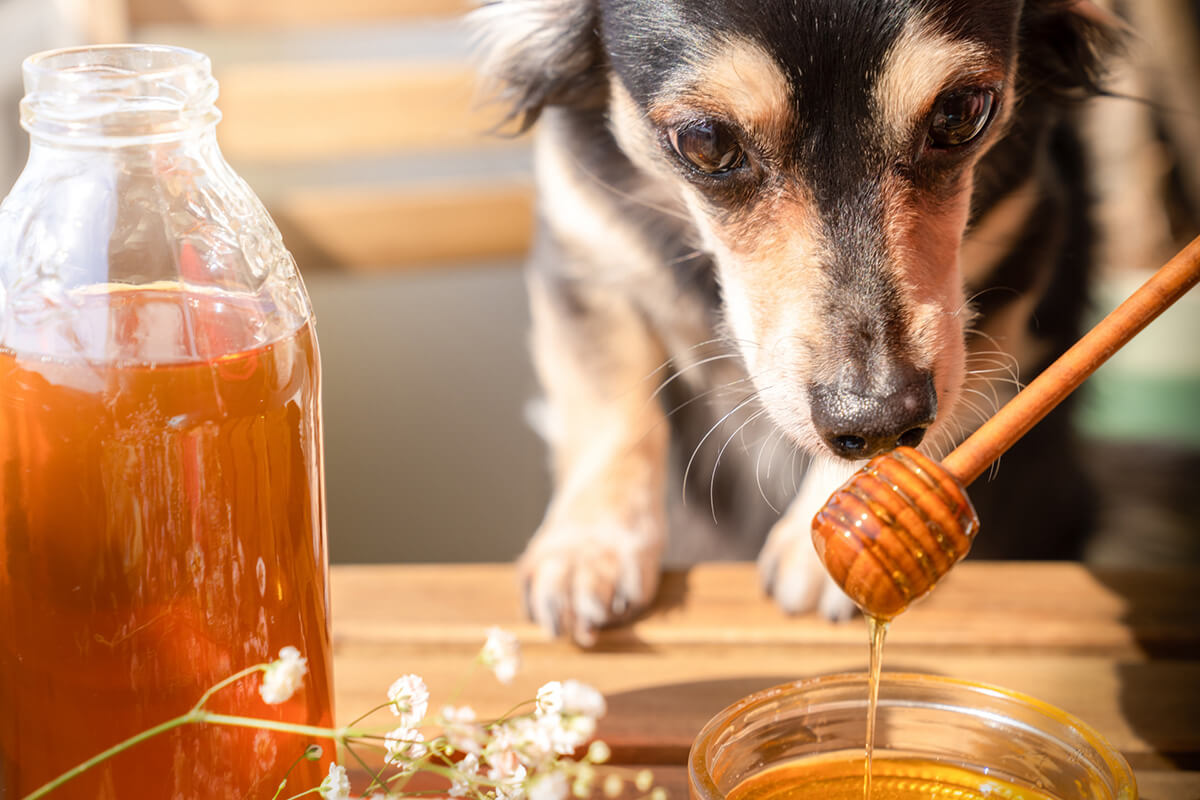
1066, 46
535, 53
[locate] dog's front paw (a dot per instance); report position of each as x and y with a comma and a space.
580, 578
795, 577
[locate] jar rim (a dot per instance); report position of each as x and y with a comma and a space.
112, 55
116, 92
716, 733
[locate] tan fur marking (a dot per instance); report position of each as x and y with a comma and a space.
735, 79
921, 64
923, 240
770, 270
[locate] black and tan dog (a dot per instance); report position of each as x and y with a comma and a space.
775, 238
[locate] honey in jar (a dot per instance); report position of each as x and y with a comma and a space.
840, 777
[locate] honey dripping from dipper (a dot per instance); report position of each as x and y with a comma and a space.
892, 531
887, 537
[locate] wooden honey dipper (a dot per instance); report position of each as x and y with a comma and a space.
896, 527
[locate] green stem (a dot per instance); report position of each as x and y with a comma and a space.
337, 734
222, 684
313, 790
375, 779
505, 716
46, 788
361, 717
466, 676
193, 717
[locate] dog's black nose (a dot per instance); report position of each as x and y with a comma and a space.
859, 421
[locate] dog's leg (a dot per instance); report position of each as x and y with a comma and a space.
788, 564
596, 557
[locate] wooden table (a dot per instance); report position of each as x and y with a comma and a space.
1119, 649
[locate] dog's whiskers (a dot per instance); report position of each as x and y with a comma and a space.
777, 434
694, 365
712, 481
969, 302
989, 382
674, 262
624, 195
696, 450
724, 388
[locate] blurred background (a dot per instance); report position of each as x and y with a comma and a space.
356, 122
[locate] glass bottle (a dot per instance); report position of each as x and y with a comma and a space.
161, 494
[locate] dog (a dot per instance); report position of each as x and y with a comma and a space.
775, 238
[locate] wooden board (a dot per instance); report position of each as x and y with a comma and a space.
284, 111
413, 226
1120, 650
1026, 607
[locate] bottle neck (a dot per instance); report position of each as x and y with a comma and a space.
118, 96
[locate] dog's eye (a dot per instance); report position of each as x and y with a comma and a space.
960, 116
708, 146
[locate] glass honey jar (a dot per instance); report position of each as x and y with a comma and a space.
162, 520
935, 737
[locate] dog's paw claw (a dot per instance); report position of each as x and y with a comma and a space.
835, 605
580, 580
792, 574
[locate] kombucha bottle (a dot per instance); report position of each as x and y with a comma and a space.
162, 518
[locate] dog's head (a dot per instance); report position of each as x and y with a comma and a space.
827, 154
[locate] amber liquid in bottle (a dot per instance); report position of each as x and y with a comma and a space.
162, 517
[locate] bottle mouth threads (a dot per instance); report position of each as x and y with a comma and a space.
114, 93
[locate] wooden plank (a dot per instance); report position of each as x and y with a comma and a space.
660, 698
979, 605
382, 229
713, 639
291, 13
280, 112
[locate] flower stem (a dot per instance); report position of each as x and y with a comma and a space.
46, 788
197, 716
222, 684
337, 734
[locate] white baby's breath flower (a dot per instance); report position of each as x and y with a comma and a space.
551, 786
550, 698
404, 745
461, 731
511, 786
519, 740
566, 732
466, 771
579, 698
409, 699
501, 753
502, 653
336, 785
283, 677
